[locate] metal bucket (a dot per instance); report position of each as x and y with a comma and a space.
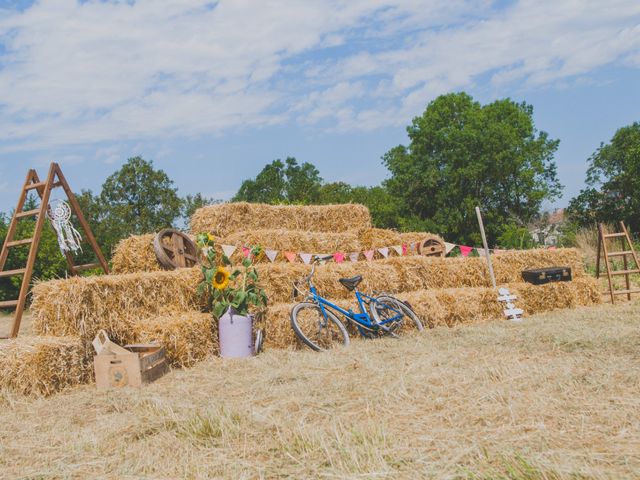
235, 334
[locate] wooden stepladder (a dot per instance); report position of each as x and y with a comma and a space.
55, 179
626, 250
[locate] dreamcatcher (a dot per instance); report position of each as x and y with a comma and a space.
60, 217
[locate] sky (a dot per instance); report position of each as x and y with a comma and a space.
211, 91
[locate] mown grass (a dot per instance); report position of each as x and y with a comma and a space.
554, 397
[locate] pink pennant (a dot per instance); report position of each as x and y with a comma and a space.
306, 258
404, 249
368, 254
465, 250
291, 256
246, 251
354, 256
338, 257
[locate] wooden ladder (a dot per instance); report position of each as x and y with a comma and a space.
627, 250
55, 179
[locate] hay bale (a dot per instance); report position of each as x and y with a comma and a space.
135, 254
42, 366
76, 305
80, 306
227, 218
372, 238
188, 337
454, 306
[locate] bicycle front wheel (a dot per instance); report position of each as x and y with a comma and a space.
315, 330
385, 308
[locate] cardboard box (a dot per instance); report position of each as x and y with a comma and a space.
131, 365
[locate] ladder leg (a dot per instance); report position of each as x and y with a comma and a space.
33, 252
603, 232
600, 239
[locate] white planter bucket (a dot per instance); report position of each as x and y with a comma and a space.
235, 334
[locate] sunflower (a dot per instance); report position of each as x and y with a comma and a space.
221, 278
210, 237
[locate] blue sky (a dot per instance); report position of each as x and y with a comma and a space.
212, 91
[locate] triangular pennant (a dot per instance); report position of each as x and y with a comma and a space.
368, 254
412, 247
228, 250
498, 251
291, 256
465, 250
338, 257
271, 255
481, 252
384, 251
398, 249
404, 249
354, 256
246, 251
306, 258
448, 247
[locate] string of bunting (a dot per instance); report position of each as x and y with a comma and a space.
340, 257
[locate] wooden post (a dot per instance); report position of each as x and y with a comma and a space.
486, 247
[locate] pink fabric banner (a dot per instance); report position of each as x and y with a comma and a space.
291, 256
404, 249
338, 257
465, 250
246, 251
368, 254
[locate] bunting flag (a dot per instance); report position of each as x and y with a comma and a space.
291, 256
368, 254
306, 258
384, 251
465, 250
246, 251
228, 250
448, 247
398, 249
498, 251
354, 256
271, 255
404, 249
481, 252
338, 257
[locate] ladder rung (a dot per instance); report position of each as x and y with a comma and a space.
9, 303
624, 272
31, 186
619, 254
28, 213
623, 292
88, 266
15, 243
615, 235
10, 273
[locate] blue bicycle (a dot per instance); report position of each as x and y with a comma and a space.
316, 324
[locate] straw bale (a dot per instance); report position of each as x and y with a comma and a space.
135, 254
81, 306
41, 366
227, 218
454, 306
187, 337
372, 238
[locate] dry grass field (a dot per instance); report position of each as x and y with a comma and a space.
554, 397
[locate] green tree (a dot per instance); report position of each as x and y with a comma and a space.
282, 182
613, 182
134, 200
191, 203
462, 154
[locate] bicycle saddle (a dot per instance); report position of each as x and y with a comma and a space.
351, 283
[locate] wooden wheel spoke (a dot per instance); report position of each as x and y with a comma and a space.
175, 249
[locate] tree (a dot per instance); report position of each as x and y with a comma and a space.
613, 182
134, 200
382, 206
280, 182
462, 154
191, 203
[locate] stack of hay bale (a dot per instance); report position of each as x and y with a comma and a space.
140, 302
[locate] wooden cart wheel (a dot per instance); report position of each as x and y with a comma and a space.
431, 247
175, 249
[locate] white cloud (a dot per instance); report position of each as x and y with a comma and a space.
81, 73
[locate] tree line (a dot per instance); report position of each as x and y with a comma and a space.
460, 154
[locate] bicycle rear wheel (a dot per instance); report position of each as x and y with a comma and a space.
314, 330
386, 307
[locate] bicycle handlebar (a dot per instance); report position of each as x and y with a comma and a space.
316, 260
